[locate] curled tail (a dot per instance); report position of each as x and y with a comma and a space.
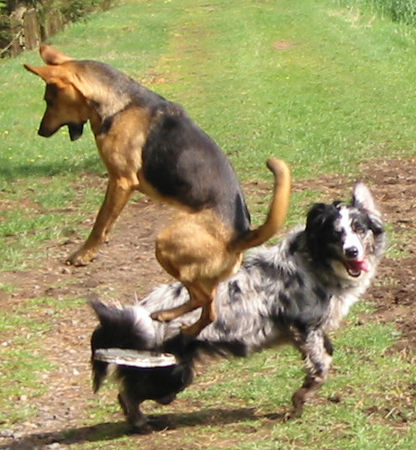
277, 211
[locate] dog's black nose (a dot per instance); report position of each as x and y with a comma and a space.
351, 252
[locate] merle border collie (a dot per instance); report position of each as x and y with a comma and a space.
292, 292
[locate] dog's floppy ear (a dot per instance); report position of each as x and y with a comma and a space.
52, 56
320, 218
319, 228
362, 199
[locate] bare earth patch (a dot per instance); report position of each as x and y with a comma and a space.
283, 45
126, 268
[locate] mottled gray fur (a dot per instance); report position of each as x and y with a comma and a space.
293, 292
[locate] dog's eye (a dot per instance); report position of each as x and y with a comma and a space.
359, 228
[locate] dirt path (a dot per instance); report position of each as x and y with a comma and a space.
126, 267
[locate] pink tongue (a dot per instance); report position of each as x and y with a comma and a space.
360, 265
364, 265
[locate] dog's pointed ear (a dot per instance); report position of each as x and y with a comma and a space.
362, 198
52, 56
42, 72
50, 74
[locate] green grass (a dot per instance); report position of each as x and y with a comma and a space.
339, 93
401, 11
24, 357
315, 82
22, 362
323, 104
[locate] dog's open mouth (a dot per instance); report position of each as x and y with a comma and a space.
355, 267
75, 130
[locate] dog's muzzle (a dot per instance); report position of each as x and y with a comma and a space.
75, 130
354, 267
45, 132
355, 262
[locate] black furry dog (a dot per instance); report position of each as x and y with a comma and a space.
293, 292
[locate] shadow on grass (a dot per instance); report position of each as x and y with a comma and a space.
113, 430
10, 172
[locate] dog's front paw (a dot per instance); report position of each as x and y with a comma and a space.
162, 316
298, 403
140, 427
139, 423
293, 414
80, 258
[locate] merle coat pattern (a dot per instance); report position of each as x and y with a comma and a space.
293, 292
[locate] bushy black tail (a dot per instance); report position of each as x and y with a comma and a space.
118, 328
130, 328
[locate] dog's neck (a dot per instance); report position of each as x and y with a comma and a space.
102, 110
97, 121
103, 99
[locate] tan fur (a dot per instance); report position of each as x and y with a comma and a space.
277, 211
206, 253
196, 248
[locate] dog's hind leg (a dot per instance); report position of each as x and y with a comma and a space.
199, 297
132, 413
208, 314
317, 351
118, 193
194, 251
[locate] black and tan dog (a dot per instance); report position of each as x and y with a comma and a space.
150, 144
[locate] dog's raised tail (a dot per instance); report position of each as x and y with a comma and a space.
277, 211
